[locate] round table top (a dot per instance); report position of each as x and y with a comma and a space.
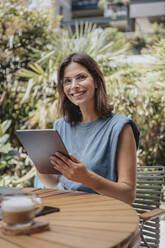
84, 221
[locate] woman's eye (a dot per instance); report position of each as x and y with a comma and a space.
81, 78
67, 81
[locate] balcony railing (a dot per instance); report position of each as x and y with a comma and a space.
84, 4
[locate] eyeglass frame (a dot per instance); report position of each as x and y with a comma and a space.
78, 81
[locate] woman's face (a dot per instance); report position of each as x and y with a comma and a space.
79, 85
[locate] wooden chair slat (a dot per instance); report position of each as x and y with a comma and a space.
148, 192
144, 207
148, 186
155, 182
141, 196
146, 202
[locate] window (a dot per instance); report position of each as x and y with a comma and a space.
61, 9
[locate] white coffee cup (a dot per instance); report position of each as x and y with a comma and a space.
20, 209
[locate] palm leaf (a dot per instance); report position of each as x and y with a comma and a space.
37, 68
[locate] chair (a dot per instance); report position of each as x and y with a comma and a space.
150, 180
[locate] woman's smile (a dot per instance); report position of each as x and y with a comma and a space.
77, 94
79, 85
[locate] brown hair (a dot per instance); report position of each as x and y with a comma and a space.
65, 107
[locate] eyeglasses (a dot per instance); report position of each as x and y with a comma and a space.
81, 78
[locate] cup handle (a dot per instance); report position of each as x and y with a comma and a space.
39, 204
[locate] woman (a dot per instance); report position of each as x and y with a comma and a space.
102, 145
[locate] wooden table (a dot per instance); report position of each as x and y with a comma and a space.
84, 221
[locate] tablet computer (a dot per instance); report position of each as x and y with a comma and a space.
40, 144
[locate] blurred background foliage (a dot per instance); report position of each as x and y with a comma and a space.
31, 46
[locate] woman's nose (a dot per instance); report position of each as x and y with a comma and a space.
74, 83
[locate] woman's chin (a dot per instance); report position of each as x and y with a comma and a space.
78, 102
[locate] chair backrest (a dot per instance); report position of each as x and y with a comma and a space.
149, 184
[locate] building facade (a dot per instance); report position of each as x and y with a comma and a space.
136, 15
146, 12
88, 11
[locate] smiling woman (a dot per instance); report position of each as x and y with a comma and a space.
80, 71
102, 145
79, 86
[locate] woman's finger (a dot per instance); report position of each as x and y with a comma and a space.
60, 159
64, 159
58, 167
73, 158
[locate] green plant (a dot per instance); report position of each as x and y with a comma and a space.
102, 46
14, 162
138, 91
17, 171
6, 150
24, 33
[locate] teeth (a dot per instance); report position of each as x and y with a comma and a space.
78, 94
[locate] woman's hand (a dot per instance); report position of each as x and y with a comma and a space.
71, 168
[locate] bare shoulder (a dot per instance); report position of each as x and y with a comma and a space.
127, 128
127, 134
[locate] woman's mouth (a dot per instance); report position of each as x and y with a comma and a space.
78, 94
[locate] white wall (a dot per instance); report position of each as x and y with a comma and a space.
147, 9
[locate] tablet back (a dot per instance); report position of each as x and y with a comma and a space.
40, 144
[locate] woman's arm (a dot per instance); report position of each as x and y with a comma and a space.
124, 188
49, 180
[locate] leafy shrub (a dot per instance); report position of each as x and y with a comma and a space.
6, 150
23, 33
138, 91
13, 162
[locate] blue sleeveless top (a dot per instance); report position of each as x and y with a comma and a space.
95, 144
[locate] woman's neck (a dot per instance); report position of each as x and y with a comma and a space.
89, 114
